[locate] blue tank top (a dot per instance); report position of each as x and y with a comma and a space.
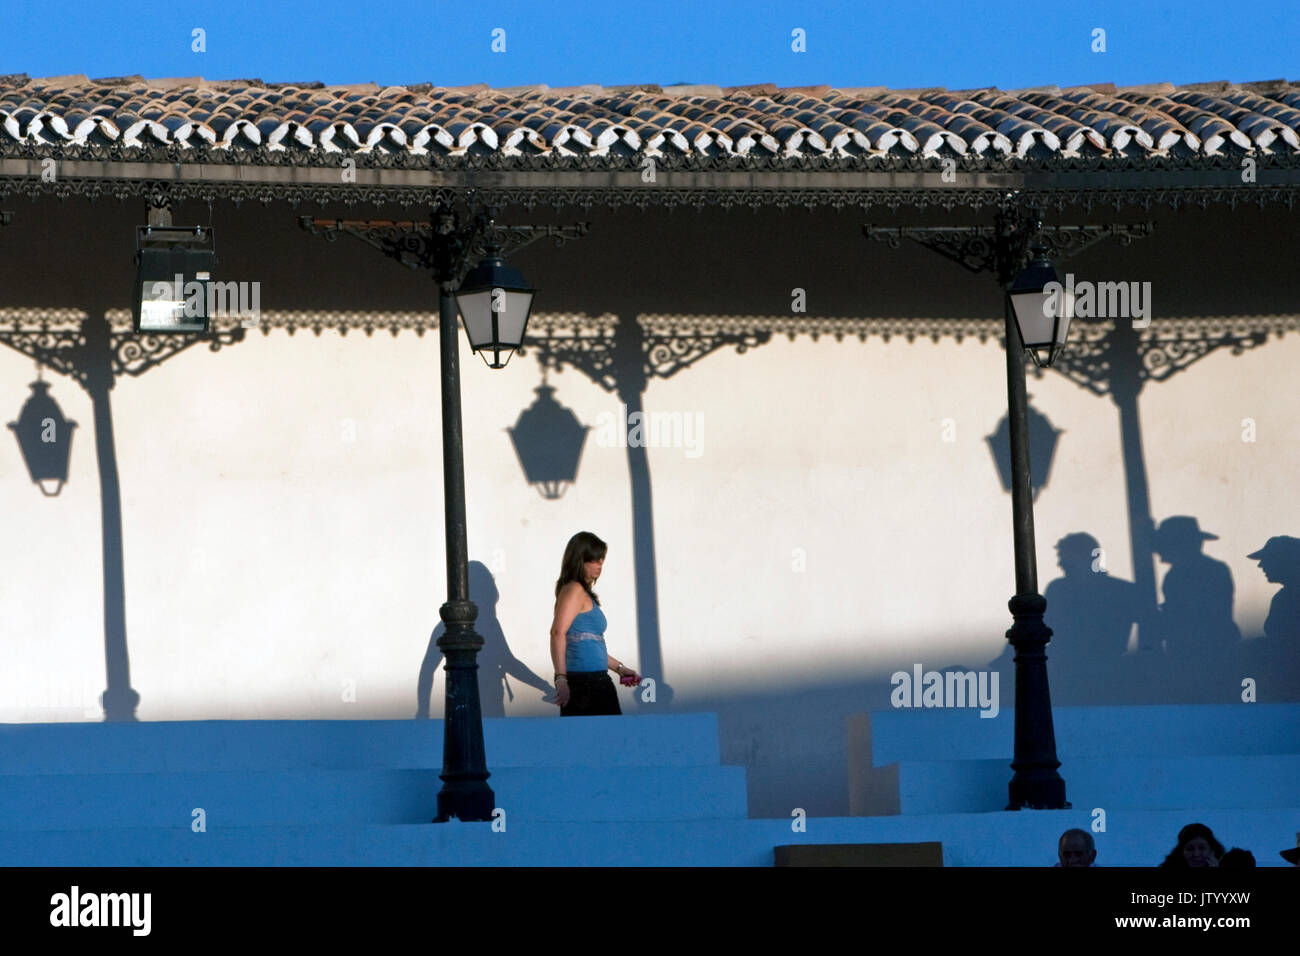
584, 646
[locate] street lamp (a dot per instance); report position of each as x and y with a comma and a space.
494, 302
1042, 307
1033, 322
1037, 313
174, 273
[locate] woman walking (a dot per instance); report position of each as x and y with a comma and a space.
582, 684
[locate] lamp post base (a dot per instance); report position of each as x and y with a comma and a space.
1035, 785
470, 800
465, 793
119, 703
1037, 790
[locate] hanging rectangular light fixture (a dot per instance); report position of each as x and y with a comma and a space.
173, 278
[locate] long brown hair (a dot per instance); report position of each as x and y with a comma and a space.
582, 547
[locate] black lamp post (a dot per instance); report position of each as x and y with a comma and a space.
1036, 316
495, 302
1033, 321
465, 793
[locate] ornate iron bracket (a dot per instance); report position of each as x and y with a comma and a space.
1166, 346
135, 353
668, 351
449, 244
595, 345
75, 346
1003, 248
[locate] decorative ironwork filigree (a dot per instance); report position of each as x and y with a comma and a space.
64, 340
54, 340
1086, 358
343, 322
668, 343
978, 249
671, 345
449, 244
294, 175
585, 342
1227, 160
1163, 348
1171, 345
563, 197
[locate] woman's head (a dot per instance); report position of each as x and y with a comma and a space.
583, 557
1196, 847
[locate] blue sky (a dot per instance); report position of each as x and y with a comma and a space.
901, 44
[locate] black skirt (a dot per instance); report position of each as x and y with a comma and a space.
591, 694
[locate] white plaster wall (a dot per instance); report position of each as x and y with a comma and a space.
269, 560
274, 568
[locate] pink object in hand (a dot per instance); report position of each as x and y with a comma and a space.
629, 681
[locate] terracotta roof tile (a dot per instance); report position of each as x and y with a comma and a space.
248, 115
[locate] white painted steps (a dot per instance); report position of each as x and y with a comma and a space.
678, 740
1122, 783
1027, 838
230, 798
634, 790
948, 760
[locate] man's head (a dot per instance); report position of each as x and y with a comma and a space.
1179, 538
1279, 559
1075, 553
1075, 848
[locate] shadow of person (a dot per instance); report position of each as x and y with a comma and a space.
1201, 640
1092, 616
1274, 659
496, 662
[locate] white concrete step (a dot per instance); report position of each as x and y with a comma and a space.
1121, 783
1027, 838
677, 740
313, 797
1166, 731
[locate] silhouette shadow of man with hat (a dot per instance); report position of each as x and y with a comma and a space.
1276, 655
1200, 635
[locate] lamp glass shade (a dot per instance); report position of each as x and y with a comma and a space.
1042, 314
494, 302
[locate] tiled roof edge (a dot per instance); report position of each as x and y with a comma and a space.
680, 90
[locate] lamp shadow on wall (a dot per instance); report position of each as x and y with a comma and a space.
496, 662
548, 440
1043, 438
